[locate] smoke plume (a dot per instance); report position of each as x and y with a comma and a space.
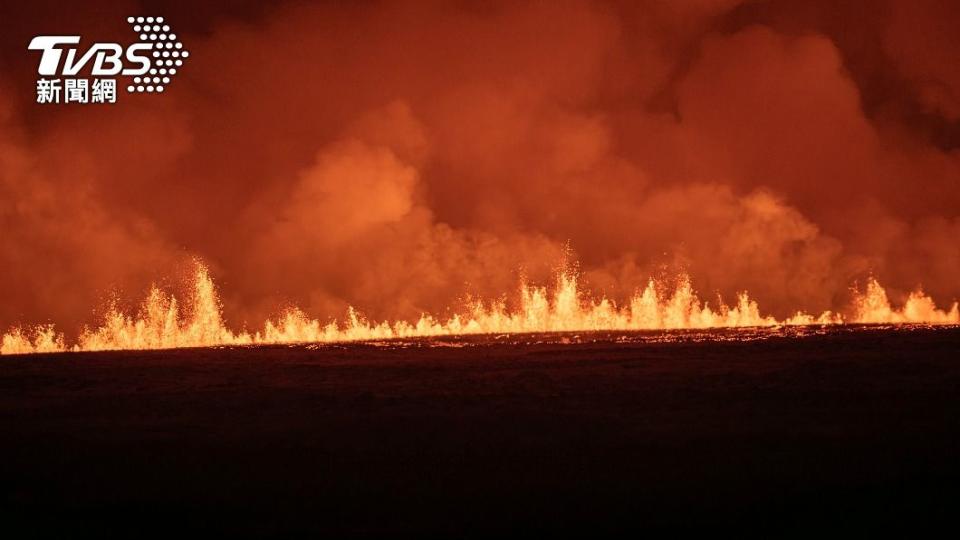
398, 156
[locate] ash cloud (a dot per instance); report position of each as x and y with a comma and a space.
398, 156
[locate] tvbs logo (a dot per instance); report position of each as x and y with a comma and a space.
150, 63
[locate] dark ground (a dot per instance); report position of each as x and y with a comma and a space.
855, 431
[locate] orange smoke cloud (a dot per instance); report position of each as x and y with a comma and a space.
399, 156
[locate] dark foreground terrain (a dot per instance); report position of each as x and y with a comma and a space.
833, 431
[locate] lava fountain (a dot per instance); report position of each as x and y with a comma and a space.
161, 323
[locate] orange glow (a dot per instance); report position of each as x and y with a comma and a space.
161, 324
874, 307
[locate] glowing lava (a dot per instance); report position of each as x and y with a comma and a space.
161, 324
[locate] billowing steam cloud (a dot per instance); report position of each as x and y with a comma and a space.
398, 156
